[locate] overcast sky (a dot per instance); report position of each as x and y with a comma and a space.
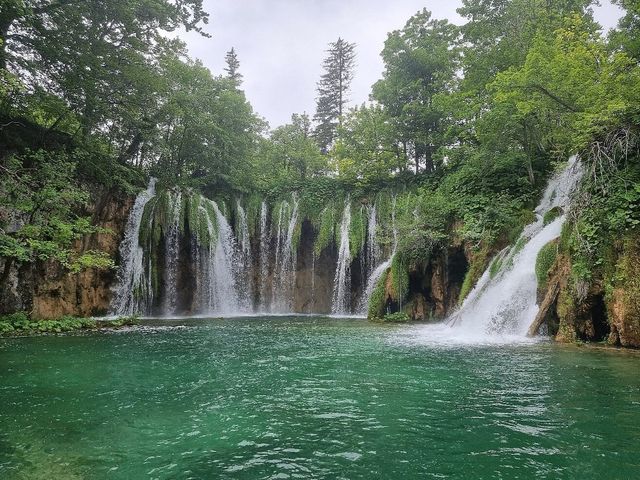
281, 44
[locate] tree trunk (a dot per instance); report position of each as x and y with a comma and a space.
549, 299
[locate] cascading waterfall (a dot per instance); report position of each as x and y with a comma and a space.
313, 280
373, 249
131, 285
172, 251
223, 282
506, 304
373, 253
264, 257
285, 263
246, 262
342, 281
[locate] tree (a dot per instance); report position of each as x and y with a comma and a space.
627, 34
366, 150
291, 154
206, 130
499, 33
332, 90
233, 65
420, 69
98, 56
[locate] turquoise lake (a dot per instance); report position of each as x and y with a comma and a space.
312, 397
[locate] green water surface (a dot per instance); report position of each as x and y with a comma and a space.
309, 397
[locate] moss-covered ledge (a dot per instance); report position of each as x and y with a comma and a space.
19, 324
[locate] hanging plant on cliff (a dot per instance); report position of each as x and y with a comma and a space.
39, 213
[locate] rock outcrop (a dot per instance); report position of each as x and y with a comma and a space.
48, 290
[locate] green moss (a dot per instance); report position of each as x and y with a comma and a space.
377, 300
357, 231
146, 224
478, 264
551, 215
496, 264
20, 324
566, 309
544, 261
565, 237
326, 229
397, 317
399, 278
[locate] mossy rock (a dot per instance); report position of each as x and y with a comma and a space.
375, 309
397, 317
544, 261
551, 215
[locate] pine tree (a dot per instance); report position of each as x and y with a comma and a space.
233, 66
332, 91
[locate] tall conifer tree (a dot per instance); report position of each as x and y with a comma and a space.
233, 67
332, 90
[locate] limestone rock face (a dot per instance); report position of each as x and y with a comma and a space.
608, 309
314, 277
47, 290
624, 300
434, 288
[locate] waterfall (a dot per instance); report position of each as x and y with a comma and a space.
223, 283
342, 281
172, 251
373, 249
313, 280
130, 284
264, 257
506, 304
246, 262
373, 253
285, 264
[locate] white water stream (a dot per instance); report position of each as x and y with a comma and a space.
341, 299
505, 306
130, 281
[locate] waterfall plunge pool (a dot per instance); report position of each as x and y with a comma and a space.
312, 397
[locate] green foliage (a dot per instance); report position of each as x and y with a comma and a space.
326, 229
612, 208
357, 230
332, 90
420, 64
19, 324
42, 204
551, 215
397, 317
399, 278
91, 259
477, 267
544, 261
377, 300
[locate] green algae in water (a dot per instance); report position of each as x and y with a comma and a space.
312, 398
